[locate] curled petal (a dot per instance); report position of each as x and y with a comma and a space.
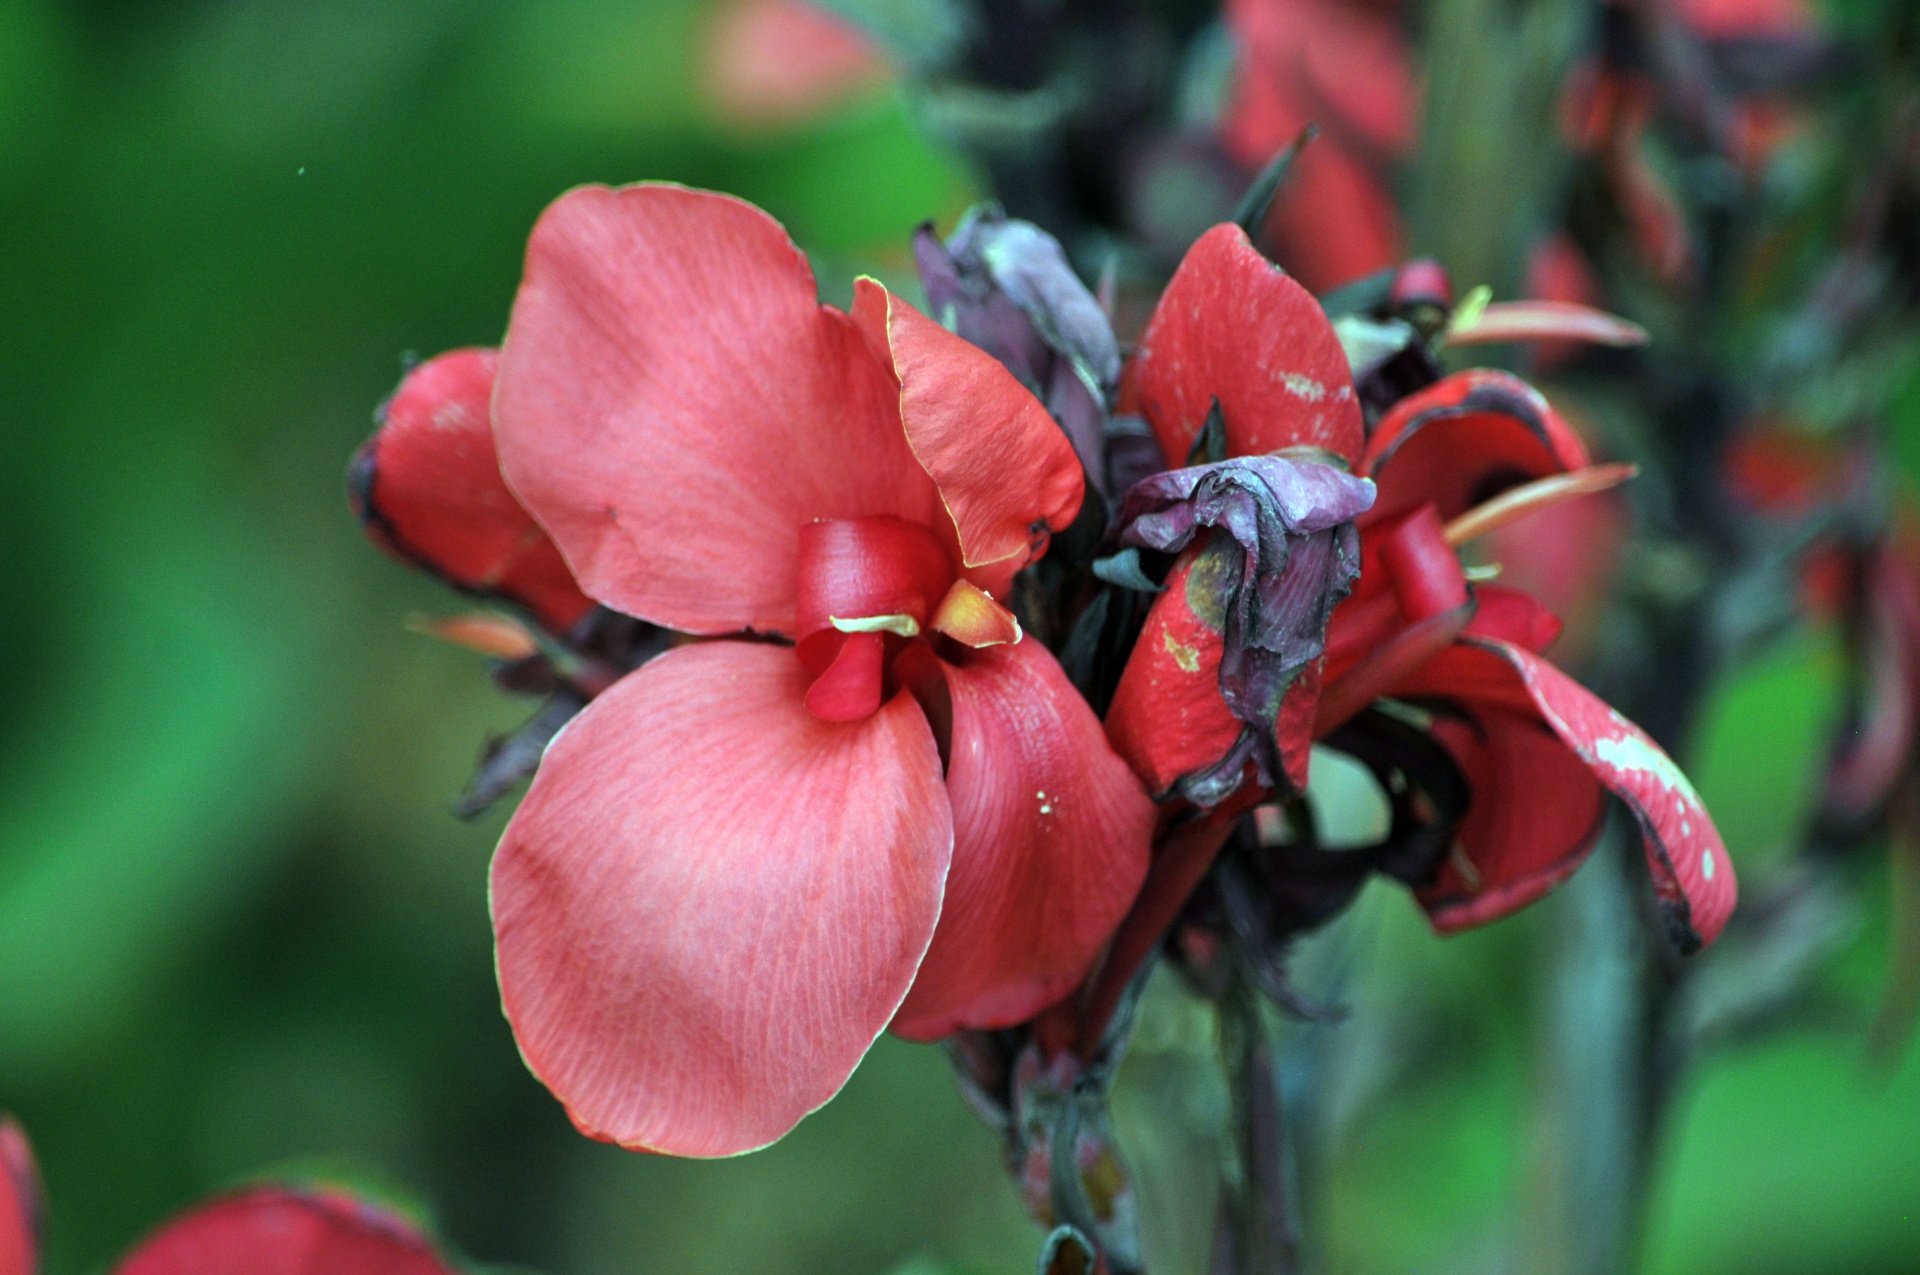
1463, 441
1007, 474
675, 404
1691, 871
1051, 837
428, 489
1536, 812
20, 1203
1234, 328
280, 1231
711, 902
970, 616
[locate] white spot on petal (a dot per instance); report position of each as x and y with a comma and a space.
1706, 864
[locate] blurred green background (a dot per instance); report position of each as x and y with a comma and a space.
239, 931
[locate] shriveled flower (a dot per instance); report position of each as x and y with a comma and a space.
867, 800
1005, 285
264, 1230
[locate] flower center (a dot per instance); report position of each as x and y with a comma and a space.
868, 587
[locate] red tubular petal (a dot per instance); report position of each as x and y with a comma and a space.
1536, 813
675, 404
1051, 838
1232, 326
848, 689
19, 1203
853, 568
1464, 440
1384, 668
1691, 871
1512, 616
1423, 567
428, 489
279, 1231
1006, 471
710, 902
1167, 717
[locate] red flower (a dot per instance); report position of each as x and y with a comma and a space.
428, 490
1343, 66
748, 857
773, 63
1451, 463
268, 1230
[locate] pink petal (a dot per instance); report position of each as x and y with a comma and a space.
279, 1231
1232, 326
1051, 839
711, 902
674, 404
1463, 440
19, 1203
428, 489
1004, 467
1535, 815
1691, 871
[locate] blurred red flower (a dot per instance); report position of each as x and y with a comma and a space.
265, 1230
1343, 66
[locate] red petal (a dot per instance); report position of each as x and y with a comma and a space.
1051, 837
1536, 813
1004, 467
427, 486
1512, 616
1234, 327
1691, 871
675, 404
19, 1203
1464, 440
1167, 717
277, 1231
711, 902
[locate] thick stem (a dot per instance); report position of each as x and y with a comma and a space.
1596, 1117
1256, 1234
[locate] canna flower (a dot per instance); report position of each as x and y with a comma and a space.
1457, 460
265, 1230
864, 800
1343, 66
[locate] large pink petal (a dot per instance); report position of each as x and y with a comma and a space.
279, 1231
1691, 871
674, 403
1233, 326
1051, 839
19, 1203
711, 902
1004, 467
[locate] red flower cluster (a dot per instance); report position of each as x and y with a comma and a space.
1473, 452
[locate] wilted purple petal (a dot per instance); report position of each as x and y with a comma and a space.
1289, 530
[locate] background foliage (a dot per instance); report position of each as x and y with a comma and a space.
238, 929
